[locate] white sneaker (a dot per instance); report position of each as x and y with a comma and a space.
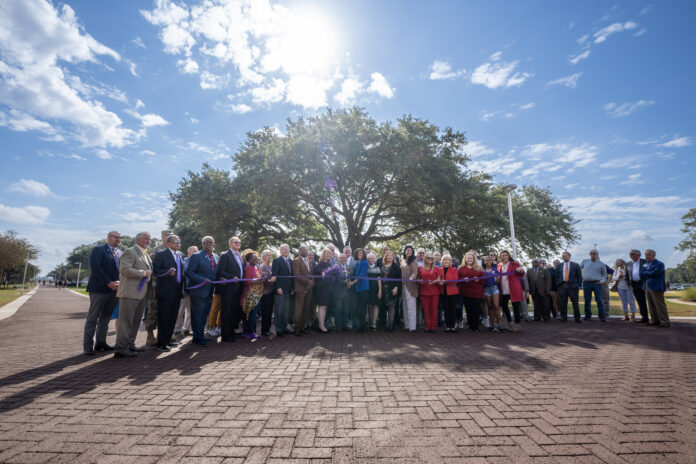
487, 323
214, 332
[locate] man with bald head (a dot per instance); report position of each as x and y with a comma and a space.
135, 267
303, 289
102, 285
202, 269
282, 267
653, 275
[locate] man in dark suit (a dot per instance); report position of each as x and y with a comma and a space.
301, 268
653, 275
282, 268
151, 319
169, 290
230, 267
202, 268
102, 285
633, 267
540, 289
568, 281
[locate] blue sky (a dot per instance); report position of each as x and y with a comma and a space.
104, 106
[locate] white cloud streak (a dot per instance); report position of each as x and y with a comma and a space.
619, 110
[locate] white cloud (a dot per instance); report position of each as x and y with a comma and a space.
380, 86
443, 70
240, 108
527, 106
273, 53
350, 89
568, 81
132, 67
678, 142
617, 110
484, 158
32, 187
602, 34
138, 42
148, 152
631, 162
561, 153
103, 154
25, 215
583, 40
23, 122
152, 120
495, 73
645, 10
633, 179
35, 83
579, 57
641, 32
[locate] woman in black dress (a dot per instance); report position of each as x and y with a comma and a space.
390, 290
323, 287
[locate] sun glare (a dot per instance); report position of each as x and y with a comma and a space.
308, 44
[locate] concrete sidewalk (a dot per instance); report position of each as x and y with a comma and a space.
580, 393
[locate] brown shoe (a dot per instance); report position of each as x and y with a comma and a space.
633, 318
151, 340
626, 317
664, 324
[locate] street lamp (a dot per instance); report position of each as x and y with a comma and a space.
509, 188
79, 268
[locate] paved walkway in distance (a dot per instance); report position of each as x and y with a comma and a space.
595, 392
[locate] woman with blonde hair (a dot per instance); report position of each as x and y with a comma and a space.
450, 292
625, 290
409, 272
375, 294
471, 291
429, 274
390, 289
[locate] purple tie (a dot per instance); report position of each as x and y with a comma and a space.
178, 269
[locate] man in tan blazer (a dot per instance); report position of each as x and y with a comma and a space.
135, 265
303, 290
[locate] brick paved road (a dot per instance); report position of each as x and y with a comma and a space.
615, 392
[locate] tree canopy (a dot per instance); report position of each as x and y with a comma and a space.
14, 252
344, 178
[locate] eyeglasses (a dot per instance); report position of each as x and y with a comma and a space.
115, 236
429, 257
176, 241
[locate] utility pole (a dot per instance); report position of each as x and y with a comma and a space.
26, 265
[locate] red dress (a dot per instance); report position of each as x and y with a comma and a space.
516, 292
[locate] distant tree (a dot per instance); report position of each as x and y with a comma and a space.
14, 252
689, 230
342, 177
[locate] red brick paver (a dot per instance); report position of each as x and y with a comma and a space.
615, 393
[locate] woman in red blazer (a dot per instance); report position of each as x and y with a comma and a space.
429, 291
450, 292
471, 291
510, 288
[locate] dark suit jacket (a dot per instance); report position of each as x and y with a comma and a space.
167, 286
654, 275
302, 284
104, 269
574, 275
229, 269
198, 270
629, 271
539, 281
279, 268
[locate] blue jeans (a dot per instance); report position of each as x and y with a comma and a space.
249, 326
200, 308
359, 311
282, 309
587, 289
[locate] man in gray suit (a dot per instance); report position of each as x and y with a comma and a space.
135, 266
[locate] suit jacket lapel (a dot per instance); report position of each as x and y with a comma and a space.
144, 257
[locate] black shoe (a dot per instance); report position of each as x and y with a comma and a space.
227, 340
578, 320
588, 318
164, 349
173, 344
645, 320
603, 320
88, 352
265, 334
304, 332
298, 333
200, 343
136, 349
125, 354
564, 320
280, 334
103, 347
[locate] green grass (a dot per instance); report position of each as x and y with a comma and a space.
689, 294
81, 290
9, 294
675, 309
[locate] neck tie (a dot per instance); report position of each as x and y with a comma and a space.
113, 251
212, 261
178, 269
565, 272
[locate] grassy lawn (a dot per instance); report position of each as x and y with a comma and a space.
8, 294
675, 309
80, 290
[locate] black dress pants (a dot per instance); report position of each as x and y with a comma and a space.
167, 312
230, 314
639, 293
565, 292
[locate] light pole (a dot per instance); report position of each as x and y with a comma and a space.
509, 188
79, 268
26, 265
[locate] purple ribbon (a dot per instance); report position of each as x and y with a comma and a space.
383, 279
144, 279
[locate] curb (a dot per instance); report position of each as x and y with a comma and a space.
10, 308
78, 294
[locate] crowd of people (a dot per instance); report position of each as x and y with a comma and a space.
211, 295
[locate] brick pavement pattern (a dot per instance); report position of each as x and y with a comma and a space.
584, 393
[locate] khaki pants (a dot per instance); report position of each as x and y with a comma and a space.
151, 318
214, 318
657, 306
303, 301
130, 313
